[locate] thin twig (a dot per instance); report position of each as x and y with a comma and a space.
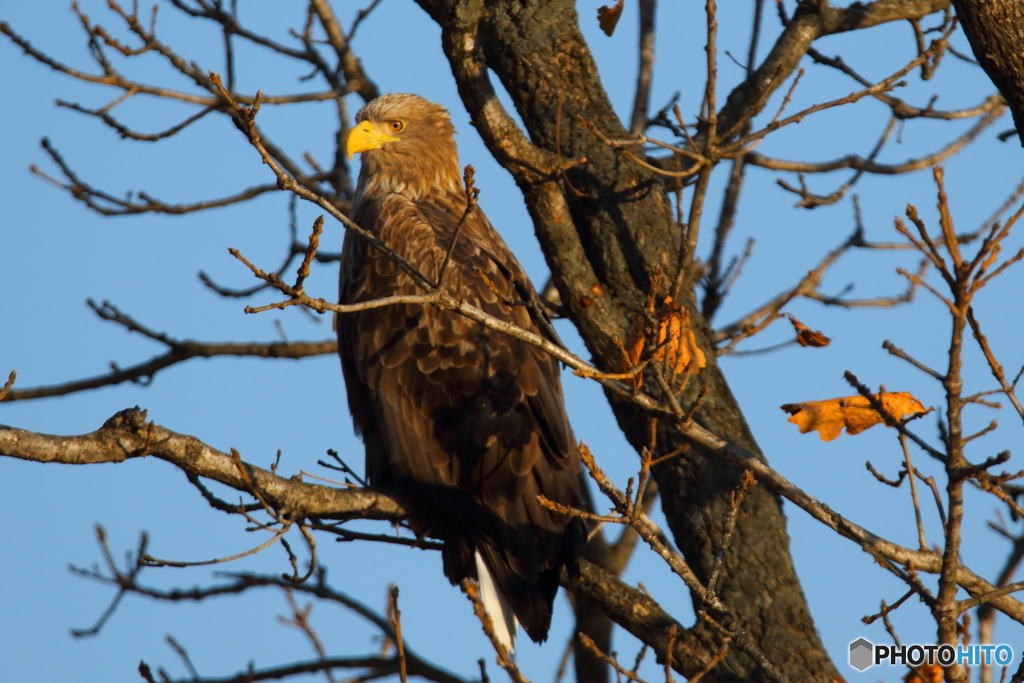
396, 623
719, 656
472, 590
8, 384
887, 608
307, 259
472, 194
735, 500
589, 643
151, 561
922, 542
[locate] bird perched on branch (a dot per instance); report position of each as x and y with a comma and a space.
467, 420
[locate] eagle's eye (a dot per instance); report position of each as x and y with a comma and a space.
396, 126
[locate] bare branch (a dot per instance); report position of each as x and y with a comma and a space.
348, 63
117, 80
798, 35
472, 194
642, 98
125, 132
8, 384
128, 435
900, 109
882, 86
177, 352
472, 590
876, 546
108, 205
761, 317
900, 353
868, 165
230, 23
396, 625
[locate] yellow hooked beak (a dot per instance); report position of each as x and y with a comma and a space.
366, 136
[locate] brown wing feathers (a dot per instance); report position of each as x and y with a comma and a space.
466, 418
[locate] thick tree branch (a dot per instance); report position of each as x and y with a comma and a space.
128, 435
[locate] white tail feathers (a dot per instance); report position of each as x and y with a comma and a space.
496, 606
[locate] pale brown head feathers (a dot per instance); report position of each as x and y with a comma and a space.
408, 147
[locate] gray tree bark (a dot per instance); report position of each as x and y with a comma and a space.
995, 29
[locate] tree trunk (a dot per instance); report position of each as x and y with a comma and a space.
606, 228
995, 29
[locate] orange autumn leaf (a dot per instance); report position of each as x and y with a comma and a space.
853, 412
677, 346
926, 673
608, 17
805, 336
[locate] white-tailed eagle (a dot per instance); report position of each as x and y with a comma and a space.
467, 420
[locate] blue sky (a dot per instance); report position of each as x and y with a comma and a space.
54, 254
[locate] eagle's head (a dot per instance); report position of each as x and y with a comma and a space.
408, 147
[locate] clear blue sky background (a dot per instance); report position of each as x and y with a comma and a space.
54, 254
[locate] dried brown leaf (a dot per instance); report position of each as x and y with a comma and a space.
853, 412
805, 336
677, 345
608, 17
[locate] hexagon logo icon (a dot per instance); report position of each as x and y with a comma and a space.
861, 651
